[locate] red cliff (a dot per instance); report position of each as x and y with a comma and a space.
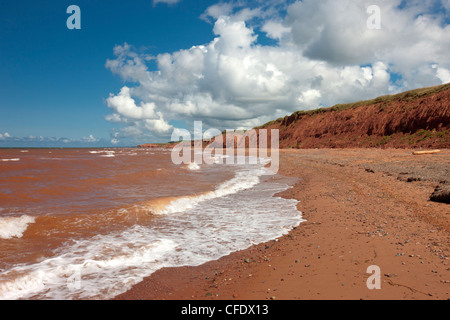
417, 118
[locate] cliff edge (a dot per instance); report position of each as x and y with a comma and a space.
414, 119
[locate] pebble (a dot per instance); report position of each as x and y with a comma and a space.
390, 275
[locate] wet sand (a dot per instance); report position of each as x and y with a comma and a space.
362, 207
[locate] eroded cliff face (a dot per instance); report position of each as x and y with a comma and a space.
413, 119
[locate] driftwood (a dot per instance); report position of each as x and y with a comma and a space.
417, 153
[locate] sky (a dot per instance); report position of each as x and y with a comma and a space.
139, 71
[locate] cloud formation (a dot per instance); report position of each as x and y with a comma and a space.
8, 140
4, 136
323, 54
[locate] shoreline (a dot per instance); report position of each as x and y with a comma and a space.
359, 212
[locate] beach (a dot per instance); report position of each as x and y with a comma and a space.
363, 207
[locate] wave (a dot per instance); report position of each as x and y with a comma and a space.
193, 166
108, 153
79, 272
168, 232
5, 160
101, 151
243, 180
14, 227
105, 265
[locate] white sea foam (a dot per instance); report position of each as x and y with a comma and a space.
243, 180
14, 227
80, 272
193, 166
6, 160
107, 153
101, 151
238, 213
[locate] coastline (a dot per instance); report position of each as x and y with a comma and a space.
359, 212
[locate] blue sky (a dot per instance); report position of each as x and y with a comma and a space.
54, 81
138, 70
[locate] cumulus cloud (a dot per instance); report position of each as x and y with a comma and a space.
217, 10
334, 31
4, 136
124, 106
324, 54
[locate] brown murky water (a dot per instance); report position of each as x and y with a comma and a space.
88, 223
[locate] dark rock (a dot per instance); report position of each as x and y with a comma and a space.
441, 193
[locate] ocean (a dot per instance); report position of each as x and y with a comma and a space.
91, 223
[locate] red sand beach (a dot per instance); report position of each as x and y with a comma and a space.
362, 207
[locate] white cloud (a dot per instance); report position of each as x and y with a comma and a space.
91, 138
324, 55
125, 106
233, 35
217, 10
32, 140
335, 31
160, 126
128, 64
442, 73
310, 98
155, 2
446, 5
275, 30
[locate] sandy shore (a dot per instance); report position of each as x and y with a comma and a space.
363, 207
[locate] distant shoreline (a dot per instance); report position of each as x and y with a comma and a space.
21, 148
